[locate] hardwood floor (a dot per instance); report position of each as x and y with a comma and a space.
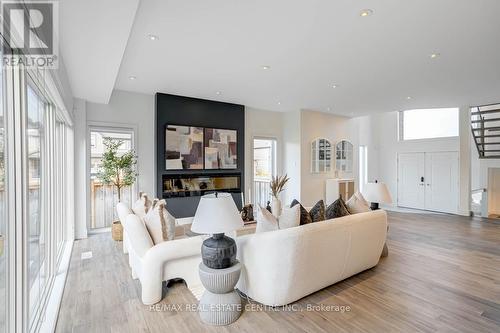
442, 275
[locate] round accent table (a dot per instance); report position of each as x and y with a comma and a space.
220, 303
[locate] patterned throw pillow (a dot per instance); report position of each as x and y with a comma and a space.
337, 209
160, 223
318, 212
305, 218
142, 206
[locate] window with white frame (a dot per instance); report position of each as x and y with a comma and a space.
428, 123
35, 153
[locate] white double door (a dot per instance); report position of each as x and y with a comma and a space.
429, 181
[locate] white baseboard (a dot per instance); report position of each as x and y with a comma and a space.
49, 322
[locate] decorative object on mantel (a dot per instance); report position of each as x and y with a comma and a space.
117, 169
376, 193
2, 241
268, 206
247, 213
277, 186
219, 269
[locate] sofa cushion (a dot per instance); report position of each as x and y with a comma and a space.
305, 218
318, 211
139, 237
356, 205
142, 206
160, 223
337, 209
290, 217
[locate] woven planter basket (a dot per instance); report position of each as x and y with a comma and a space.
117, 231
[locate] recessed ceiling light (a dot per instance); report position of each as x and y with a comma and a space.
366, 12
279, 103
132, 78
217, 92
335, 86
266, 67
153, 37
408, 98
434, 55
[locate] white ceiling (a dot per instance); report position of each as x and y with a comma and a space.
213, 46
93, 37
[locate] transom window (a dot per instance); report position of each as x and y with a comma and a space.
428, 123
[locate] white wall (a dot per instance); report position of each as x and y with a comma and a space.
385, 128
127, 109
263, 124
81, 174
292, 155
316, 125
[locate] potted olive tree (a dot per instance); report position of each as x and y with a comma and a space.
117, 169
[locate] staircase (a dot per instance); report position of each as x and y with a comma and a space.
485, 126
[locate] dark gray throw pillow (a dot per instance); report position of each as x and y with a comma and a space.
337, 209
318, 212
305, 218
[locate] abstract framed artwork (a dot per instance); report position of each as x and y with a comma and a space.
220, 149
183, 147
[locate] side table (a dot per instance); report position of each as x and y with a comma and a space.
220, 304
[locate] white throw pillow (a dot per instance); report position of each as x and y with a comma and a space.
290, 217
355, 205
160, 223
142, 206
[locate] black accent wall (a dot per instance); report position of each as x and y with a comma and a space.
187, 111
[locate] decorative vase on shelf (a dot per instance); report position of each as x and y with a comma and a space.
276, 207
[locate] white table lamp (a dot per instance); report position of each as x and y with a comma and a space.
217, 214
377, 193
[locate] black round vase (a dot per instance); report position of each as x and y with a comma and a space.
218, 251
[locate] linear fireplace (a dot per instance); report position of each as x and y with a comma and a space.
175, 186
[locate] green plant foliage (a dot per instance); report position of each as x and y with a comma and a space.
117, 169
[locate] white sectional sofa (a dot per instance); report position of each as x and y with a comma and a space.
281, 267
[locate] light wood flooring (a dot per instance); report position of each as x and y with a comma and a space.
442, 275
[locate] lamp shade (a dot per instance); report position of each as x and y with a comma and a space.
216, 214
377, 192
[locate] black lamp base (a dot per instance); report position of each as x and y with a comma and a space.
218, 251
374, 206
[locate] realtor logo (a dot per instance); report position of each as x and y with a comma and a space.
31, 31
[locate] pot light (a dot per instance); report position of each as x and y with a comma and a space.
132, 77
434, 55
366, 12
408, 98
335, 86
153, 37
266, 67
279, 103
217, 92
